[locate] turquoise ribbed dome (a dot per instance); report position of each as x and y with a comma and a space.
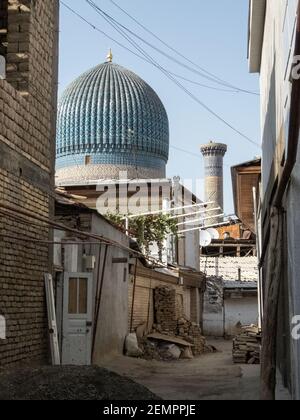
116, 119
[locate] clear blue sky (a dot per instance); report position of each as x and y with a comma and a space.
213, 33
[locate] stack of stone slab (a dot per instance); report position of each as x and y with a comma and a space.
247, 346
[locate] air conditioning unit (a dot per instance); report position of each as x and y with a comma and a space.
2, 67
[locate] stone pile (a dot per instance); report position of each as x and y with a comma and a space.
170, 321
247, 346
165, 309
191, 332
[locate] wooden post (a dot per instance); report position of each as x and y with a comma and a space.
133, 295
273, 278
52, 324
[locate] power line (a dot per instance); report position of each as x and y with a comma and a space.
137, 55
216, 78
111, 21
202, 85
94, 27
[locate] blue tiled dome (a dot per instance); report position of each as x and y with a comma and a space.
110, 116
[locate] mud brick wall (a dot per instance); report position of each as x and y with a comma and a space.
27, 145
146, 283
167, 308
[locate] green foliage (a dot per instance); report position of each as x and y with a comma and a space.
116, 218
148, 230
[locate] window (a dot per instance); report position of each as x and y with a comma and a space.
78, 295
88, 160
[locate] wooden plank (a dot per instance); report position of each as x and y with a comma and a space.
274, 273
52, 324
170, 339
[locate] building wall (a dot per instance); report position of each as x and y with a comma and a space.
27, 134
228, 267
225, 311
292, 296
239, 311
234, 230
143, 309
190, 254
112, 322
213, 316
277, 56
111, 328
275, 84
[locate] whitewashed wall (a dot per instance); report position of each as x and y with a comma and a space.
275, 84
241, 311
277, 56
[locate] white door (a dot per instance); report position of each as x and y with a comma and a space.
77, 319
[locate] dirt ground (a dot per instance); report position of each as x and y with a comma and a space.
212, 376
70, 383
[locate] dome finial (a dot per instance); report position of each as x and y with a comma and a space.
110, 56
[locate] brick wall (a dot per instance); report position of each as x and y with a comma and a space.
144, 296
27, 144
228, 268
3, 26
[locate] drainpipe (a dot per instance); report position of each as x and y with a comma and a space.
293, 138
259, 284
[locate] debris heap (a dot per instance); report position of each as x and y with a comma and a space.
166, 310
170, 320
192, 333
247, 346
172, 336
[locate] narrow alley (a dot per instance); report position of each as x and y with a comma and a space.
149, 202
212, 376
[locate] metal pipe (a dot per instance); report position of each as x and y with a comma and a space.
190, 222
179, 216
204, 227
153, 213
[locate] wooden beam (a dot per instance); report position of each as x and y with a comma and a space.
272, 287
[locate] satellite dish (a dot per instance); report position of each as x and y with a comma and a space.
205, 238
213, 233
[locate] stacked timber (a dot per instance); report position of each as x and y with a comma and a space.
247, 346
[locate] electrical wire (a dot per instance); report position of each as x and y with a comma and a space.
180, 54
168, 75
20, 214
94, 27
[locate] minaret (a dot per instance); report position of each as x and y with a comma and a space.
213, 157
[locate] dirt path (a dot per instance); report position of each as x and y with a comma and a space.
210, 377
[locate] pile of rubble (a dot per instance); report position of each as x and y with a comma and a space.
247, 346
188, 331
173, 336
160, 349
166, 310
